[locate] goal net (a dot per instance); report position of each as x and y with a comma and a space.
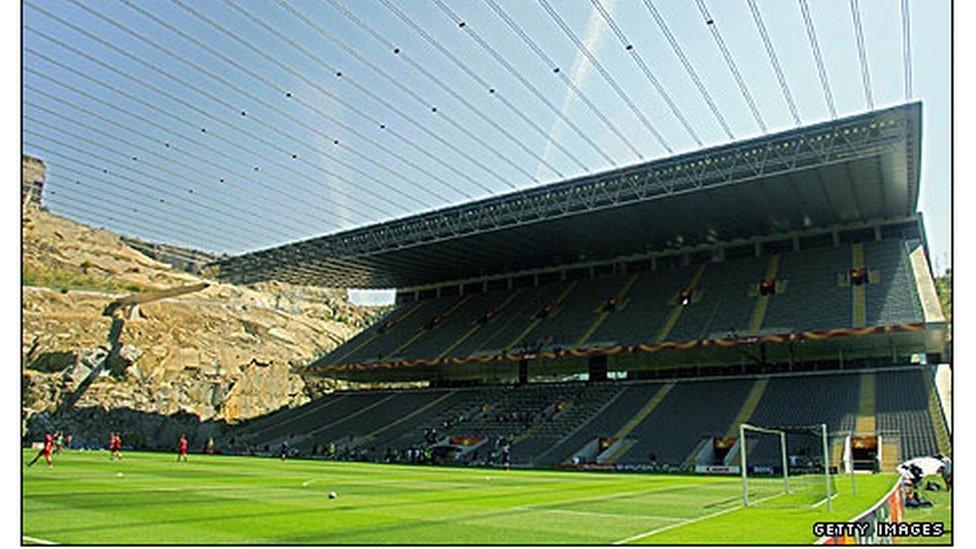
786, 466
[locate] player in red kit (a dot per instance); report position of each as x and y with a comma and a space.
46, 451
115, 446
184, 448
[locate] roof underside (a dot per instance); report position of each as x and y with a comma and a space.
854, 169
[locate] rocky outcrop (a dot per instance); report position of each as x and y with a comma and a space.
204, 360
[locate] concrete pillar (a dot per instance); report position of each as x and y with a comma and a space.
877, 232
758, 249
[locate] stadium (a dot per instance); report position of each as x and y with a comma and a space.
720, 346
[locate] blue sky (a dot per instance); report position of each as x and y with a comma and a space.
179, 127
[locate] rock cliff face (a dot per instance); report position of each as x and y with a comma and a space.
191, 363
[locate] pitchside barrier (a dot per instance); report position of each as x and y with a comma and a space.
890, 509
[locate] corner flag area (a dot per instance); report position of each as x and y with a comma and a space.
151, 498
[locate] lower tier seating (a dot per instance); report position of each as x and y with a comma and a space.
547, 424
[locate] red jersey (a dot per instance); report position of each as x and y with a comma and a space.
48, 443
184, 445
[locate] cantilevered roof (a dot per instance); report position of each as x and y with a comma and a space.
860, 168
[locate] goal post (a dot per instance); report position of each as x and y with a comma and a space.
800, 456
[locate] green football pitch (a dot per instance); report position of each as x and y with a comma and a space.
150, 498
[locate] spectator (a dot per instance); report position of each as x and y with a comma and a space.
945, 470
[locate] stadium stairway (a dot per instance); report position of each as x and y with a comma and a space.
538, 439
762, 301
857, 292
942, 438
866, 422
375, 435
675, 313
444, 317
477, 326
605, 421
366, 339
602, 316
535, 322
311, 435
256, 430
637, 419
748, 406
890, 455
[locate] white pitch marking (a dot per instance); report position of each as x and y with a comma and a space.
685, 522
38, 541
824, 500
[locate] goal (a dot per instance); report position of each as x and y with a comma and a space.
786, 466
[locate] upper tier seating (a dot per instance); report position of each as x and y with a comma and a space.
814, 297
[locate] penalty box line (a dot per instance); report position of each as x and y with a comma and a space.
687, 522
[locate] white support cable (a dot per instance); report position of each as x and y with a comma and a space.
273, 108
527, 84
862, 53
906, 47
648, 74
491, 90
195, 108
397, 83
318, 87
676, 47
567, 80
158, 139
774, 61
381, 100
818, 58
730, 62
607, 77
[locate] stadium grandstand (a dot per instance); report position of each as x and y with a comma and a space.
634, 318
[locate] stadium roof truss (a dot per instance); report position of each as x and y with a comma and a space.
842, 171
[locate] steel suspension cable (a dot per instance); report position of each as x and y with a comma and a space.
250, 96
607, 77
666, 31
365, 90
710, 23
567, 80
493, 91
237, 129
297, 74
99, 198
85, 212
774, 61
648, 74
166, 144
862, 53
906, 47
526, 83
818, 57
193, 168
109, 162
